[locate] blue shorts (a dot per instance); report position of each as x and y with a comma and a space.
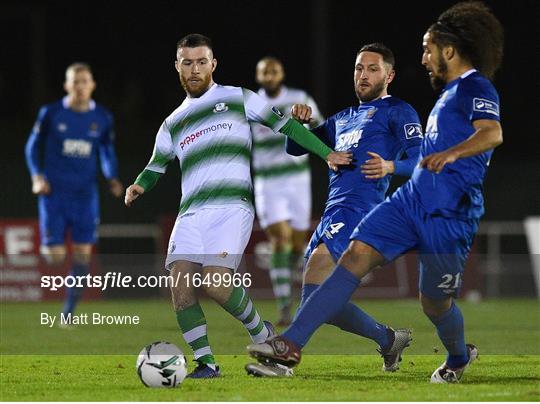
400, 224
59, 212
335, 230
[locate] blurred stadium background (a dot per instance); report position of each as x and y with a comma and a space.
131, 49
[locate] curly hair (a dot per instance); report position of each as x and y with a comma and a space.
472, 29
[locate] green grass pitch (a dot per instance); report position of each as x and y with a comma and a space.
97, 362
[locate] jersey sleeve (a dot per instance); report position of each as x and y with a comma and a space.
258, 110
163, 152
479, 100
107, 153
295, 149
35, 141
405, 125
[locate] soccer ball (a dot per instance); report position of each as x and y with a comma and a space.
161, 364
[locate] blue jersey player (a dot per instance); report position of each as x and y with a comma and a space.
62, 156
378, 132
438, 209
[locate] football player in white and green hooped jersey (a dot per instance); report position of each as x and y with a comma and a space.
279, 180
209, 133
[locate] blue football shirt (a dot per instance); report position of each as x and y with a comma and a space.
387, 126
65, 144
457, 190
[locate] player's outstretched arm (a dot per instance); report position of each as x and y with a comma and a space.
295, 131
488, 135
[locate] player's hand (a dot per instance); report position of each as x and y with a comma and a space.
40, 185
377, 167
435, 162
116, 187
301, 113
336, 159
132, 193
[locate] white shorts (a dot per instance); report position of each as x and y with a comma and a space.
284, 199
211, 237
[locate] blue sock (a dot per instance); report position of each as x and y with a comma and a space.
353, 319
323, 304
451, 332
73, 295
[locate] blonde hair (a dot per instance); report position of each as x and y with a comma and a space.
78, 67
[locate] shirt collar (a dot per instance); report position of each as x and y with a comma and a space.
65, 104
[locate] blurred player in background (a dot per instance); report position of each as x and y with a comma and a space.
437, 211
62, 156
282, 184
210, 135
378, 132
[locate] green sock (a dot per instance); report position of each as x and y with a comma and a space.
241, 307
193, 325
280, 275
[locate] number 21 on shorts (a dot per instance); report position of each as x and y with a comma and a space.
450, 281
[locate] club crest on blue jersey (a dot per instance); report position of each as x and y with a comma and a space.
370, 113
62, 127
483, 105
277, 112
220, 107
412, 130
93, 130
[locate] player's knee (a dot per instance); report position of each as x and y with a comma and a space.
281, 242
280, 236
82, 253
433, 307
354, 253
55, 256
360, 258
318, 269
298, 248
183, 296
218, 293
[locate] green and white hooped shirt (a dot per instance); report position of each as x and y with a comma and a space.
270, 159
211, 137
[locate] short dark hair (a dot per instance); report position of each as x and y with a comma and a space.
193, 41
472, 29
382, 49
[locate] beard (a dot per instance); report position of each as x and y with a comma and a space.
372, 94
198, 89
438, 81
272, 90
